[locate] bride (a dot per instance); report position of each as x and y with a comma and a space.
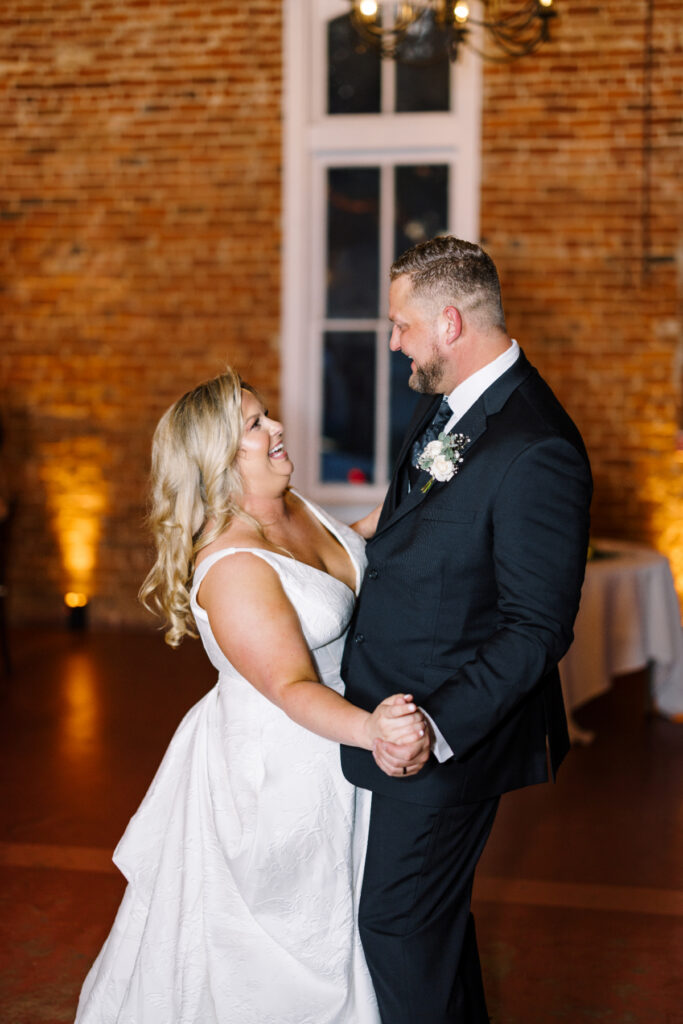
243, 859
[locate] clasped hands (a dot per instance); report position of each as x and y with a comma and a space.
401, 736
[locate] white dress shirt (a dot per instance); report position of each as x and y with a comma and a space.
460, 400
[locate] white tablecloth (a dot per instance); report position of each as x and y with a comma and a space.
629, 618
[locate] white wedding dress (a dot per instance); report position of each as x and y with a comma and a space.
243, 860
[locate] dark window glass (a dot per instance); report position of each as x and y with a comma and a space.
421, 89
348, 442
421, 204
352, 241
423, 84
402, 400
353, 71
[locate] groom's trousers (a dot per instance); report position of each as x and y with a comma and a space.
414, 918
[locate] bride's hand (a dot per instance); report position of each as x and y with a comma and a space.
397, 720
367, 526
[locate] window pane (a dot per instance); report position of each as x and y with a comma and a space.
352, 241
402, 401
421, 204
424, 84
353, 71
348, 442
423, 88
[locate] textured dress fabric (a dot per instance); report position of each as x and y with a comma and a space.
243, 860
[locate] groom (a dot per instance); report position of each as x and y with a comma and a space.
472, 586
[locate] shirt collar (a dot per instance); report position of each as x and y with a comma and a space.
466, 393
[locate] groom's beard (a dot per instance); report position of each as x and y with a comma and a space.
426, 380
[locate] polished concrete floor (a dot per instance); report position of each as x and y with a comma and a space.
579, 898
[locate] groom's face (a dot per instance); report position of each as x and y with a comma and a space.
415, 332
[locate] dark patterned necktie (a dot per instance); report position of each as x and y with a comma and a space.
430, 433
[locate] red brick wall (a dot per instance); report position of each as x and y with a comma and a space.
139, 244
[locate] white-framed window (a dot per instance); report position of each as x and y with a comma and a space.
377, 156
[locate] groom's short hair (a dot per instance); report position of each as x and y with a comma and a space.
451, 271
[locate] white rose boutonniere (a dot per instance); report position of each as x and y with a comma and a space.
442, 458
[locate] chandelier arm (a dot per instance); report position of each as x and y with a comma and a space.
515, 21
505, 31
505, 58
512, 44
531, 22
520, 48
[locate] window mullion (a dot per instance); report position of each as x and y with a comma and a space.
388, 86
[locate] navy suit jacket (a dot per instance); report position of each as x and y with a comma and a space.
470, 596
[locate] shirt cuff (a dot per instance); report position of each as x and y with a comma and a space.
440, 748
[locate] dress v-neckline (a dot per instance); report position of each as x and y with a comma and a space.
329, 526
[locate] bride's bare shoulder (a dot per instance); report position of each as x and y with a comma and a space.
237, 534
235, 583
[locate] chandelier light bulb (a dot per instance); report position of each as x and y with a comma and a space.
546, 3
368, 8
461, 12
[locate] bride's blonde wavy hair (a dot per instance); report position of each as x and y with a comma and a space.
194, 479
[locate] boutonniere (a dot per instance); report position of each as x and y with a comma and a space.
442, 458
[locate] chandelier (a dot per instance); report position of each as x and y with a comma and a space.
426, 31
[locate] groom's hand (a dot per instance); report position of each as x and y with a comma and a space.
393, 758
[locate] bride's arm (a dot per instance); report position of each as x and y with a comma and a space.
259, 632
367, 526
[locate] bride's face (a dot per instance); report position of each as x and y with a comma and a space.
263, 461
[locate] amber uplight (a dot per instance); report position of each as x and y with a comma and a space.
77, 500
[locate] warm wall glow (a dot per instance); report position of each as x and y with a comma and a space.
76, 493
664, 492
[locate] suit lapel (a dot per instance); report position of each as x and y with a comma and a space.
423, 414
473, 424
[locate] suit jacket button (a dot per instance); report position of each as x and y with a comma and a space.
373, 574
359, 638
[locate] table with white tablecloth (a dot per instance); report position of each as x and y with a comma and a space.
629, 619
